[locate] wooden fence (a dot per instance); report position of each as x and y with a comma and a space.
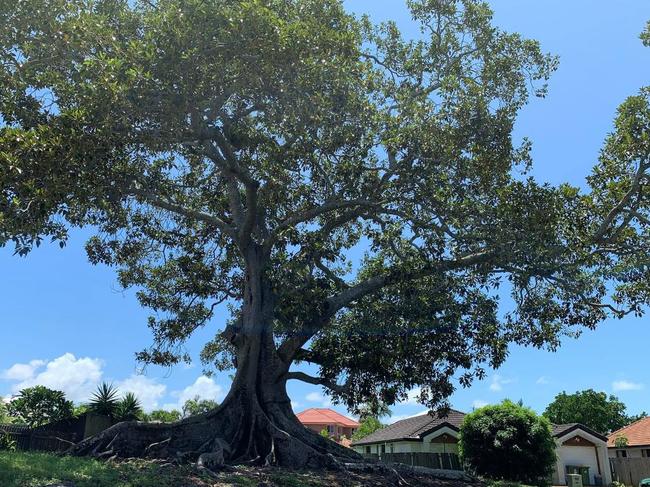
42, 440
630, 471
444, 461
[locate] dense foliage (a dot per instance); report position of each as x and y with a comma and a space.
38, 405
508, 442
236, 151
162, 416
196, 406
593, 409
368, 425
4, 415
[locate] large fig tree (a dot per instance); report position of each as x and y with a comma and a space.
235, 155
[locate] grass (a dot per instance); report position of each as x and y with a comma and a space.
21, 469
36, 469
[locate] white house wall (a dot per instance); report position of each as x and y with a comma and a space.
582, 456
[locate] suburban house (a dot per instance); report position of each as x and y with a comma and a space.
583, 451
579, 449
633, 441
419, 434
340, 428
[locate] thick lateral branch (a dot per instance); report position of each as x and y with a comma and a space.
634, 189
158, 202
338, 302
315, 212
318, 381
291, 346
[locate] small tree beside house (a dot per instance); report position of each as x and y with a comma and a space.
508, 442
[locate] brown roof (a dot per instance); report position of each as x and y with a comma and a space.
637, 434
325, 416
414, 428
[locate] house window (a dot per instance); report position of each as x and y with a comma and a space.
645, 453
621, 454
383, 448
330, 429
368, 449
391, 448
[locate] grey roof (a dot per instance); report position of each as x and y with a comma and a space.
413, 428
562, 429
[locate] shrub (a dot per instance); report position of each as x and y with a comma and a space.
508, 442
36, 406
162, 416
196, 406
7, 443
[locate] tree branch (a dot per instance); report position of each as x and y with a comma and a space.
613, 213
317, 381
163, 204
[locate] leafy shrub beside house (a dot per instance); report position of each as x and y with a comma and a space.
508, 442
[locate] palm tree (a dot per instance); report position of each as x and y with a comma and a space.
129, 408
104, 400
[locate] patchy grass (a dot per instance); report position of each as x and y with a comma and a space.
36, 469
22, 469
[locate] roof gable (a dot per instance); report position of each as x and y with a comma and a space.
564, 429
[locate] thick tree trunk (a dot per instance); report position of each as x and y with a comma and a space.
255, 424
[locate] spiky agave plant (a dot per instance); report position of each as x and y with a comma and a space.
104, 400
129, 408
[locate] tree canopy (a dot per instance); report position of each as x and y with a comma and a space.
232, 156
593, 409
508, 442
38, 405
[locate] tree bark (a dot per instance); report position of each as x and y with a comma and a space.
255, 423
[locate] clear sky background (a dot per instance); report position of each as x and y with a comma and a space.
67, 325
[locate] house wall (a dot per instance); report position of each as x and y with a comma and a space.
440, 441
587, 456
632, 452
337, 431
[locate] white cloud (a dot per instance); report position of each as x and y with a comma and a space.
412, 396
498, 382
22, 372
203, 387
624, 385
479, 403
295, 405
543, 380
318, 397
76, 377
147, 390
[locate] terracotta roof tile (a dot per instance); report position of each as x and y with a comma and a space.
637, 434
325, 416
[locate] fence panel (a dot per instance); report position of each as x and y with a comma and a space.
39, 439
446, 461
630, 471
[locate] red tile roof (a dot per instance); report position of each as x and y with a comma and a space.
637, 434
325, 416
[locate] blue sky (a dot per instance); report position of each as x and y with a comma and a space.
67, 324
